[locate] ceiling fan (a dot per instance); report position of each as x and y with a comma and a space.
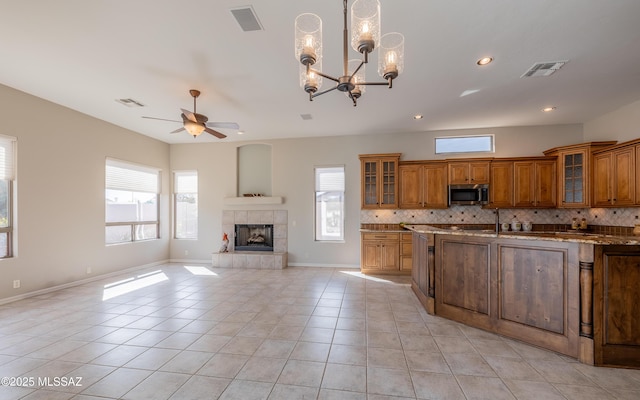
195, 123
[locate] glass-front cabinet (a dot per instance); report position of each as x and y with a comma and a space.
379, 180
574, 178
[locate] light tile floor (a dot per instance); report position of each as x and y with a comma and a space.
191, 332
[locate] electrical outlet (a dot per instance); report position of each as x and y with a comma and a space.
89, 270
16, 284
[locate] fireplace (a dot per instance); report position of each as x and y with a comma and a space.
253, 237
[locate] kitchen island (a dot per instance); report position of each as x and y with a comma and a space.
571, 292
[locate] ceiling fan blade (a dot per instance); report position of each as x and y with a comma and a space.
190, 116
227, 125
177, 130
215, 133
162, 119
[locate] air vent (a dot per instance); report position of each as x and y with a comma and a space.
543, 69
130, 102
306, 117
247, 19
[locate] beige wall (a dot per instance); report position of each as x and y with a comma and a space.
60, 190
622, 124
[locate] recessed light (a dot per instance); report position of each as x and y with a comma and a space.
548, 109
240, 132
418, 116
484, 60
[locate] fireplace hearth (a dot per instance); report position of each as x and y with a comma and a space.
253, 237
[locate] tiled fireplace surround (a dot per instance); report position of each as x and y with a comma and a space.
255, 259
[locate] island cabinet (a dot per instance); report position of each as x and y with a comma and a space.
614, 177
524, 289
379, 180
616, 311
476, 171
423, 185
574, 172
423, 271
535, 183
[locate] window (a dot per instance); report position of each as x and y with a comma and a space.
185, 203
329, 203
132, 202
465, 144
7, 179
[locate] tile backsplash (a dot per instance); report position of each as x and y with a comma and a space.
477, 215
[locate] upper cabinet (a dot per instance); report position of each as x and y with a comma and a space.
461, 172
574, 172
379, 180
614, 177
535, 183
501, 188
423, 185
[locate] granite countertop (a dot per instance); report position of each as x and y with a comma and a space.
581, 237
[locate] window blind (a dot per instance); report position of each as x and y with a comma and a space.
186, 182
330, 179
121, 175
7, 150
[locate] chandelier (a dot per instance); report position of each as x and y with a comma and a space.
365, 37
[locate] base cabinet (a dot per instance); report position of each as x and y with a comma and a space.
423, 271
386, 253
526, 290
616, 313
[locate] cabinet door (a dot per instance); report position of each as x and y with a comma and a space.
411, 186
370, 183
573, 178
602, 173
637, 176
524, 183
390, 256
501, 189
479, 172
389, 184
624, 177
458, 173
545, 184
435, 186
371, 255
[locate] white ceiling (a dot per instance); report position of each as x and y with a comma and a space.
86, 54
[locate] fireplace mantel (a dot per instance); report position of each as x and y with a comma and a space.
239, 201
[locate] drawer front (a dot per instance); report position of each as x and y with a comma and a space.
380, 236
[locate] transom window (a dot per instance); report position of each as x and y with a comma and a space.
131, 202
465, 144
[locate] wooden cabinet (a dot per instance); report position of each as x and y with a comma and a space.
380, 252
523, 289
535, 183
423, 270
406, 251
379, 180
616, 293
461, 172
501, 188
614, 177
423, 185
574, 172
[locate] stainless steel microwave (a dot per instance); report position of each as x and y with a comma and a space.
470, 194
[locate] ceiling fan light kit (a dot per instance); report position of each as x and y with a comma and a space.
365, 37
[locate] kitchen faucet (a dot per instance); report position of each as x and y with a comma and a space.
497, 220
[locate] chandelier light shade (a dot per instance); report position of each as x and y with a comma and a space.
308, 38
365, 25
365, 38
391, 55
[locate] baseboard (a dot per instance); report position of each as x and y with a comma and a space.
345, 266
77, 283
189, 261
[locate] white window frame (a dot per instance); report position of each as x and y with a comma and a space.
337, 188
136, 182
8, 151
184, 187
464, 140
